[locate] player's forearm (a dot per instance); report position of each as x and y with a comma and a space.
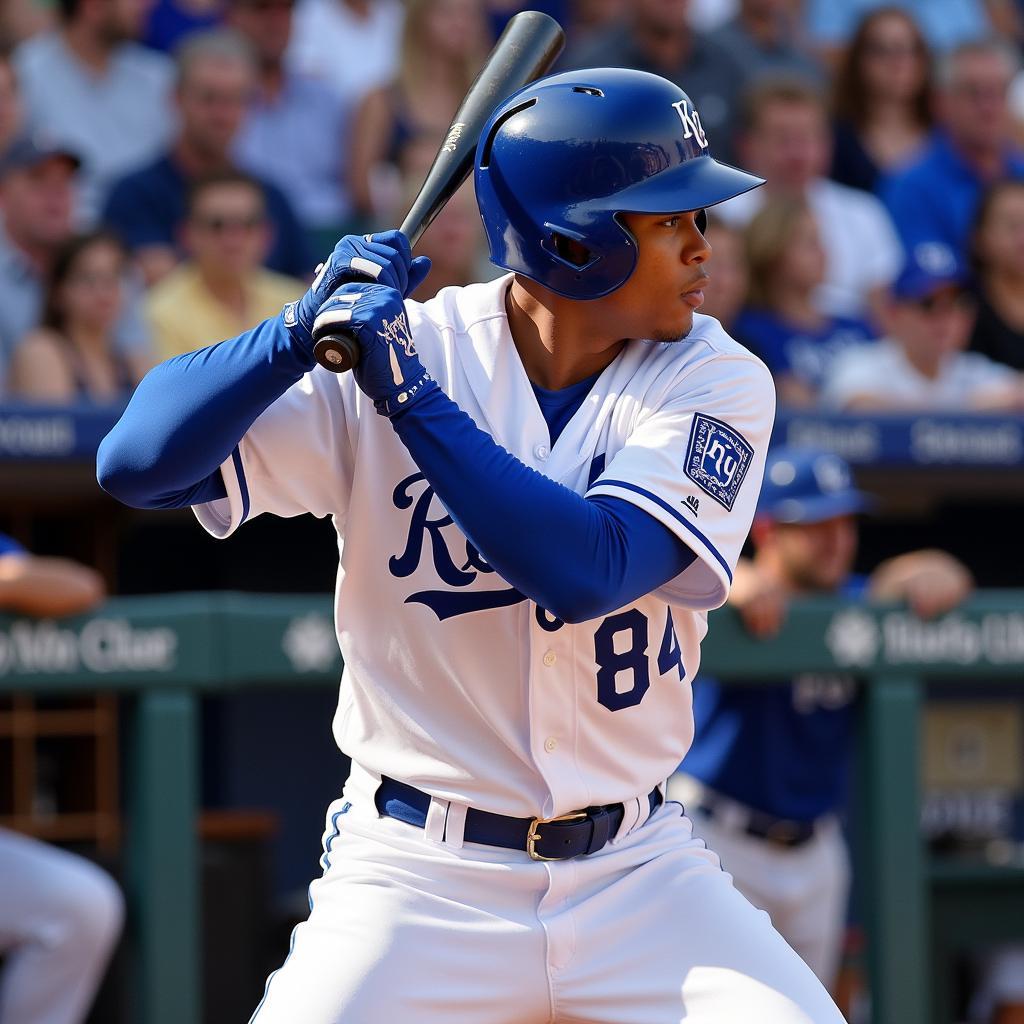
577, 558
188, 414
48, 586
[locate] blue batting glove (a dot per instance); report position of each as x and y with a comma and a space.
384, 258
389, 371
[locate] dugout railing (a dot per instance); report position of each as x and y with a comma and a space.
166, 652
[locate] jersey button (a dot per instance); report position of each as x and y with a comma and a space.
542, 451
551, 744
550, 659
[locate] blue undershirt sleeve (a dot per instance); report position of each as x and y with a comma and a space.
578, 558
189, 413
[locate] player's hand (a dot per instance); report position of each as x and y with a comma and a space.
384, 258
932, 582
389, 371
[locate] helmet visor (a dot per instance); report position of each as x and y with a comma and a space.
692, 185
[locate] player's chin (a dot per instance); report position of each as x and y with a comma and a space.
676, 331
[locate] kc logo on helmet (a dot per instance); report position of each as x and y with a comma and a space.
692, 128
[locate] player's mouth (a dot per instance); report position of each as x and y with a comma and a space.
695, 296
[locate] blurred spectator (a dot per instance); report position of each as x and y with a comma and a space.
881, 99
92, 87
222, 289
998, 251
455, 244
766, 777
60, 915
763, 38
216, 80
935, 199
349, 45
946, 23
587, 18
655, 36
921, 365
781, 323
296, 133
170, 21
725, 292
442, 49
37, 201
72, 356
10, 103
785, 137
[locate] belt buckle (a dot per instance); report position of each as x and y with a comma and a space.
533, 836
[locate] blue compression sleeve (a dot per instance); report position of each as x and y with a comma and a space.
189, 413
579, 558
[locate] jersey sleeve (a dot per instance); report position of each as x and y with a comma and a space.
297, 457
695, 464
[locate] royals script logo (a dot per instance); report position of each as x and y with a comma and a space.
396, 332
456, 561
692, 128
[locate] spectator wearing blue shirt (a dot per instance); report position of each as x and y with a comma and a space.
296, 132
935, 199
781, 322
90, 85
766, 778
216, 81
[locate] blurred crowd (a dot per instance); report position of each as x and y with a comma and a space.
172, 170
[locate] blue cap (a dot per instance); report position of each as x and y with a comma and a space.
929, 267
808, 485
32, 150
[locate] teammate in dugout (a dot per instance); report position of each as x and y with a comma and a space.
765, 779
541, 484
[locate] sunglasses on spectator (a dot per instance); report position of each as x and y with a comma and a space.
218, 225
944, 302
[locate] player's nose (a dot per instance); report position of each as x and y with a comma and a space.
696, 248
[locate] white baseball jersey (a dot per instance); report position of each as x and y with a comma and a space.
453, 681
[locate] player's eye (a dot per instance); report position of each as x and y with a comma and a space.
671, 222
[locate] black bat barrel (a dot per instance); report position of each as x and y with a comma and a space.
526, 50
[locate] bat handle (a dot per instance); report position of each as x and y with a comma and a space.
336, 350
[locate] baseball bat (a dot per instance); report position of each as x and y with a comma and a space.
526, 50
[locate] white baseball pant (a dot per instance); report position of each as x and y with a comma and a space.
804, 889
648, 930
60, 917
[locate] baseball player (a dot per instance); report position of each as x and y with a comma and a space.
541, 484
765, 778
60, 914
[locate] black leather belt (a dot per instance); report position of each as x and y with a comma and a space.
568, 835
782, 831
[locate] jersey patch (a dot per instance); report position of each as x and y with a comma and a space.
717, 459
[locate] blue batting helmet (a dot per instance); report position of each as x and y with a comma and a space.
808, 485
561, 158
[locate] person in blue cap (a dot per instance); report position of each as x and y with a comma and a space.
922, 364
765, 779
